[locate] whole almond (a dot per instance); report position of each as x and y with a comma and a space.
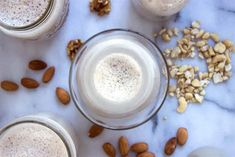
48, 74
182, 136
109, 149
139, 147
170, 146
146, 154
123, 145
9, 85
29, 83
62, 95
95, 130
37, 65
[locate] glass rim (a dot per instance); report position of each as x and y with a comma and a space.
39, 122
34, 24
72, 70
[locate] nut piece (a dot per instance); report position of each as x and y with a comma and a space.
170, 146
146, 154
9, 86
182, 136
37, 65
220, 47
215, 37
73, 47
95, 131
182, 105
109, 149
196, 83
102, 7
62, 95
139, 147
48, 74
123, 146
29, 83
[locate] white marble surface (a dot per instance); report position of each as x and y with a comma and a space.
211, 123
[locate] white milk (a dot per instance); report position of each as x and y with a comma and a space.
32, 19
31, 140
117, 76
19, 13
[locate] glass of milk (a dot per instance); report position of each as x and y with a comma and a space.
119, 79
32, 19
38, 136
158, 9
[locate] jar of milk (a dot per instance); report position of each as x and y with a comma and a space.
158, 9
38, 135
32, 19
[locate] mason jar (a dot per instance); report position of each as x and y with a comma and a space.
156, 10
32, 20
38, 136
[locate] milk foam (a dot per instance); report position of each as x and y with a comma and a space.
118, 77
31, 140
19, 13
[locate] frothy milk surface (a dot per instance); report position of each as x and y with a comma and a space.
19, 13
31, 140
118, 77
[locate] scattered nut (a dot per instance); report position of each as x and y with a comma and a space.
123, 145
109, 149
95, 131
170, 146
145, 154
139, 147
220, 47
62, 95
29, 83
9, 86
182, 136
73, 47
48, 74
37, 65
102, 7
182, 105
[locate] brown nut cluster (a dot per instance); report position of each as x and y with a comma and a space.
73, 47
102, 7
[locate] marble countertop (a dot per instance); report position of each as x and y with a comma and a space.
211, 123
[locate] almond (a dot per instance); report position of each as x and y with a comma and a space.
9, 85
94, 131
37, 65
109, 149
170, 146
182, 136
146, 154
123, 145
62, 95
139, 147
48, 74
29, 83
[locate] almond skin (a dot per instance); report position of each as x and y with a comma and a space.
9, 85
37, 65
146, 154
29, 83
109, 149
62, 95
48, 74
139, 147
170, 146
123, 146
95, 130
182, 136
